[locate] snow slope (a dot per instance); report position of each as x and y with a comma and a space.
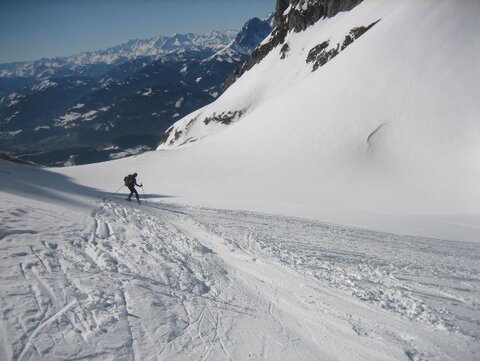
389, 125
87, 275
383, 136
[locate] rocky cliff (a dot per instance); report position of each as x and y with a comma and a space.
292, 15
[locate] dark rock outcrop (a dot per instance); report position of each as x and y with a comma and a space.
322, 53
15, 159
224, 117
284, 50
252, 34
355, 33
301, 14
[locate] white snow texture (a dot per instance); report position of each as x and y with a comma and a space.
335, 218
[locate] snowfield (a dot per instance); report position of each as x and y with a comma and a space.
336, 217
387, 129
86, 275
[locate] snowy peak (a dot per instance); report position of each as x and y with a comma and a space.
214, 40
247, 39
252, 34
95, 62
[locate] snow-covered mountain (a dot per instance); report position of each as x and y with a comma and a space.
291, 17
252, 34
363, 119
378, 103
96, 62
124, 110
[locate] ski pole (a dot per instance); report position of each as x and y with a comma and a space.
118, 190
144, 197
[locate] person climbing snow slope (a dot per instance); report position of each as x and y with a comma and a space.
131, 182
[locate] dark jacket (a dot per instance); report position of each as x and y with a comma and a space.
131, 181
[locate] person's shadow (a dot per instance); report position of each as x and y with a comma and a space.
42, 184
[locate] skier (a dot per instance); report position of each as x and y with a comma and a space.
131, 182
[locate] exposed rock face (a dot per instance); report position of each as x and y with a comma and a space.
224, 117
173, 134
252, 34
292, 15
16, 159
284, 51
355, 33
322, 53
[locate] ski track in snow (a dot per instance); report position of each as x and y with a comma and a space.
166, 282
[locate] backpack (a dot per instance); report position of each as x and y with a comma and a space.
129, 181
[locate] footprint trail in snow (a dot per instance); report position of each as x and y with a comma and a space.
164, 282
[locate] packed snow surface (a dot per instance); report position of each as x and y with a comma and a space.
87, 275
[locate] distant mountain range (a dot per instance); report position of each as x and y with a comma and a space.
107, 104
94, 63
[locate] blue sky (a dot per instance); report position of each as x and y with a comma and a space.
31, 29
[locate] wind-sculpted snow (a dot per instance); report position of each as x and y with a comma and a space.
166, 282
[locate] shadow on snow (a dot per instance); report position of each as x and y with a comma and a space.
43, 184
